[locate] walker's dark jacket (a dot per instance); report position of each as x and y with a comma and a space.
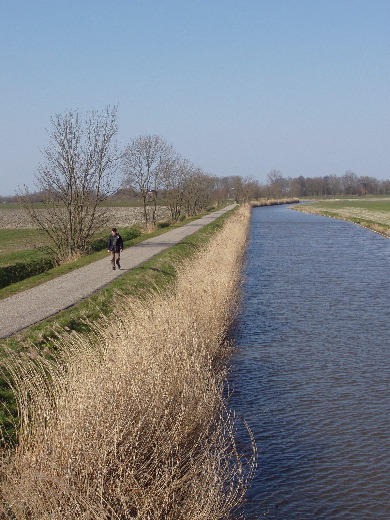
115, 243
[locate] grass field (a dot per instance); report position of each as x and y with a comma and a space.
371, 213
19, 245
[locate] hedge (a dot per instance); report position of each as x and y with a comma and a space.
22, 270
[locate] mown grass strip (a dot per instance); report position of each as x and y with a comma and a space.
366, 204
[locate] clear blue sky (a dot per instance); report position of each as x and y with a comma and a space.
238, 87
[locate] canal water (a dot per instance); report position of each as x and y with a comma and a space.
311, 373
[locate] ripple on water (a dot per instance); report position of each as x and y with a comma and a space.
311, 376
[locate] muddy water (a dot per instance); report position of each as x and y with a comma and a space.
311, 376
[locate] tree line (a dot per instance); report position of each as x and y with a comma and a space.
80, 168
326, 186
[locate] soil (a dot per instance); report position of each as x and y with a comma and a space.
121, 217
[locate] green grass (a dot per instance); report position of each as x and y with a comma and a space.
20, 244
367, 204
10, 205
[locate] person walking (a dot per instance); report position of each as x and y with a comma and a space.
115, 247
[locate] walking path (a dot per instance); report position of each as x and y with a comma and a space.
33, 305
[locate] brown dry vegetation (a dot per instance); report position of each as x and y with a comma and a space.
272, 202
130, 421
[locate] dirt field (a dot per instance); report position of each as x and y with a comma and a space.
121, 217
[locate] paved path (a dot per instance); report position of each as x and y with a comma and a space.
33, 305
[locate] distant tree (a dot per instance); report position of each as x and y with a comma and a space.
350, 183
237, 188
276, 184
252, 190
142, 164
368, 185
298, 186
74, 179
384, 187
335, 185
241, 189
174, 176
198, 189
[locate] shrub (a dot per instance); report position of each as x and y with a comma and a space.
163, 224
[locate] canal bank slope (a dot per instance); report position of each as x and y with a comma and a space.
130, 420
373, 214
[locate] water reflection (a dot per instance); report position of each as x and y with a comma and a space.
311, 374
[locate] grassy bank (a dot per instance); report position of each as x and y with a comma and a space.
155, 275
372, 214
128, 420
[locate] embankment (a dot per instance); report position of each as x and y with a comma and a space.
378, 222
128, 420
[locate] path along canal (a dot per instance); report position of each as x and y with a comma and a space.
311, 375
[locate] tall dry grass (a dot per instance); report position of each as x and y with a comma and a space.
129, 421
273, 202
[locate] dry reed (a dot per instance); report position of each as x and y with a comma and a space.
129, 421
273, 202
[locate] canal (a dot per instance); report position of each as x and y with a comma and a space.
311, 373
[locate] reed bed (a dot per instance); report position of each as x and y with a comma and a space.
273, 202
129, 421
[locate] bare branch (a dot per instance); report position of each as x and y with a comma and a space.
76, 174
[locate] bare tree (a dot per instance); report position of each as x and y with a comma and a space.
75, 178
369, 185
198, 190
350, 183
275, 182
174, 176
142, 164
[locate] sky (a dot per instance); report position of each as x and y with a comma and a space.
238, 87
